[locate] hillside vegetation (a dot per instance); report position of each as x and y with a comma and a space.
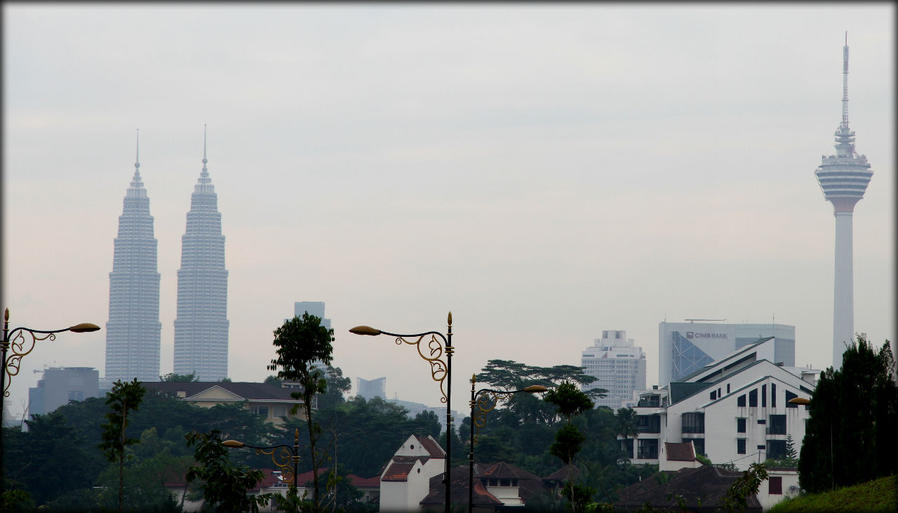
877, 496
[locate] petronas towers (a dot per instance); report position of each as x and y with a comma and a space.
201, 327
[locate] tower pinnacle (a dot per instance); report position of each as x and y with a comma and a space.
204, 147
137, 160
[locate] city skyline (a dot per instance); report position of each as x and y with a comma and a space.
541, 171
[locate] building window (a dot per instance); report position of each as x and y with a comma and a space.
776, 449
728, 388
740, 401
776, 485
740, 425
648, 449
504, 482
772, 395
740, 446
262, 411
648, 423
693, 422
753, 398
713, 394
777, 424
698, 443
790, 396
763, 396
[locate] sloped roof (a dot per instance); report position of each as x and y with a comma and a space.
679, 451
504, 470
398, 471
703, 489
248, 390
565, 473
363, 482
431, 445
459, 475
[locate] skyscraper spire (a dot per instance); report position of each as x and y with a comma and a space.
137, 160
204, 148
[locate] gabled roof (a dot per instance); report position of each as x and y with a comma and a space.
679, 451
398, 471
703, 489
363, 482
459, 475
504, 470
729, 360
246, 390
565, 473
431, 445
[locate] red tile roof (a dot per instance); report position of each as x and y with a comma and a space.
431, 446
679, 451
398, 472
364, 482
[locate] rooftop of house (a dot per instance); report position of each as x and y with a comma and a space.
701, 489
247, 390
679, 451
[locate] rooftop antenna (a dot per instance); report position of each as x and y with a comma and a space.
137, 161
845, 82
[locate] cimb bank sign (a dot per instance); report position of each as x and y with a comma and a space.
695, 334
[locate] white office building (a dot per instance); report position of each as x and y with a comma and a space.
735, 410
315, 308
201, 326
619, 365
685, 347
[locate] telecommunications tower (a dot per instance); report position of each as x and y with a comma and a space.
843, 178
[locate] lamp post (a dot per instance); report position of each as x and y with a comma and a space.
486, 400
440, 371
9, 365
285, 457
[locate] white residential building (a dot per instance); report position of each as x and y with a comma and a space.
735, 410
618, 364
405, 480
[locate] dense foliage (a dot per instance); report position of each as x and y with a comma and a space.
850, 435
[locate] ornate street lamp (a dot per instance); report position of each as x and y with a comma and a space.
486, 400
21, 347
285, 457
440, 370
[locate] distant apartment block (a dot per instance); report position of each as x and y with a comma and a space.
371, 388
618, 364
59, 385
685, 347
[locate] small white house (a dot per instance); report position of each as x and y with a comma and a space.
780, 484
405, 480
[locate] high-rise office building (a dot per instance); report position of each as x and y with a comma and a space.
201, 326
133, 331
371, 388
59, 385
844, 178
315, 308
685, 347
619, 365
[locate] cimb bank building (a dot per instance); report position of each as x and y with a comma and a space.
686, 347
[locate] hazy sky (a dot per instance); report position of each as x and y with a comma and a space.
544, 172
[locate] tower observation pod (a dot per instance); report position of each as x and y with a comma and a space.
843, 178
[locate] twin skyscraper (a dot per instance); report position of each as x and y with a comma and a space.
133, 332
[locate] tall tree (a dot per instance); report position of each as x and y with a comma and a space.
570, 401
850, 436
224, 485
122, 399
303, 345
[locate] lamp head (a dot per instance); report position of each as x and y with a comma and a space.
232, 443
534, 389
365, 330
799, 400
84, 327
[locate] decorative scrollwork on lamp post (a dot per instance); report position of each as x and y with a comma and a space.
284, 457
21, 346
432, 350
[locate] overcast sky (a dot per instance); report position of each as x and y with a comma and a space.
544, 172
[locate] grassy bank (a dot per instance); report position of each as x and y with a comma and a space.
877, 496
